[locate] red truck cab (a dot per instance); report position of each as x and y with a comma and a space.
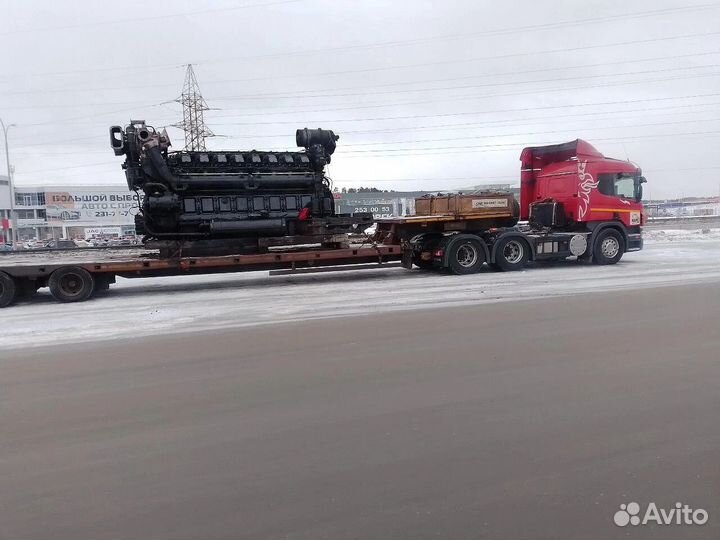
574, 187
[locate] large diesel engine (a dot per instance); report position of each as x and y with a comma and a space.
222, 195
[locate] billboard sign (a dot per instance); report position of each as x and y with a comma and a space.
90, 206
100, 232
379, 208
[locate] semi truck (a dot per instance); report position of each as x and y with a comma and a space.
574, 203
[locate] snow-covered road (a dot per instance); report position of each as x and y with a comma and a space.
183, 304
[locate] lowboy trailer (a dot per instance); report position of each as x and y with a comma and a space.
574, 202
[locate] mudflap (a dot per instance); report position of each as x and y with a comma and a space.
407, 258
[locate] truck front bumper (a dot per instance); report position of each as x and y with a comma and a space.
635, 242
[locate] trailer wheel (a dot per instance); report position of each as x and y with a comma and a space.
8, 289
609, 247
511, 254
71, 284
466, 257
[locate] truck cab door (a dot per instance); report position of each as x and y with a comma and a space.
615, 198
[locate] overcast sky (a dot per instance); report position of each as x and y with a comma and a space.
424, 94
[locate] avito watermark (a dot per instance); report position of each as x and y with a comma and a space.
680, 514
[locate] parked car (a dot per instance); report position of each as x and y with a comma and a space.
61, 213
60, 243
33, 244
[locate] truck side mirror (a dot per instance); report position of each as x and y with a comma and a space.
643, 180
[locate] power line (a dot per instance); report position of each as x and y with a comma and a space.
464, 113
437, 150
461, 113
505, 94
469, 113
151, 67
95, 115
466, 137
423, 102
385, 68
515, 177
501, 31
487, 122
395, 43
85, 105
429, 151
512, 122
477, 59
538, 119
137, 106
164, 16
298, 94
451, 79
71, 167
23, 151
498, 123
348, 147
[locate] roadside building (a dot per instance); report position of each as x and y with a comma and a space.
690, 207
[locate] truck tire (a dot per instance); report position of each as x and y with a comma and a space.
511, 254
465, 256
609, 247
8, 289
71, 284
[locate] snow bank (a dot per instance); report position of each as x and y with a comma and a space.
681, 235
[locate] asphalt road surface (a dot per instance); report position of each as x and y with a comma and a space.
532, 419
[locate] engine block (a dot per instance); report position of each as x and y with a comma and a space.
205, 195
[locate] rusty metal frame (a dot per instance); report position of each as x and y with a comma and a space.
227, 263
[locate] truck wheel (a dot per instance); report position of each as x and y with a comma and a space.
466, 257
609, 247
8, 290
511, 254
71, 284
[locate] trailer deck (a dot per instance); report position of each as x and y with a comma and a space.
75, 275
143, 263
